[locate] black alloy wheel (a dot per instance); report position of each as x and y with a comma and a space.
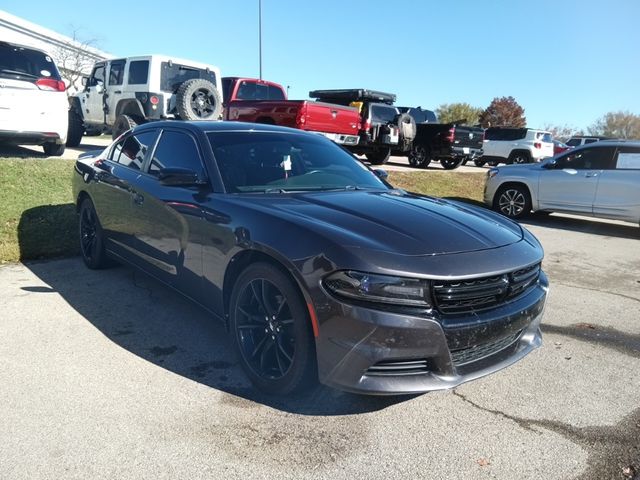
479, 163
451, 163
419, 156
198, 99
271, 330
91, 237
520, 158
513, 201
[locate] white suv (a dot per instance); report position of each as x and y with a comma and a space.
124, 92
33, 101
515, 145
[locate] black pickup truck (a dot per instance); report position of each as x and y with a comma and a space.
450, 143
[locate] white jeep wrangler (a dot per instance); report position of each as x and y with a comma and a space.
124, 92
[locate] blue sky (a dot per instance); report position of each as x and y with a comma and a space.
565, 62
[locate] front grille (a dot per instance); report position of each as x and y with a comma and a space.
481, 293
478, 352
399, 367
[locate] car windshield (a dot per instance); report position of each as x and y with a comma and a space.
274, 162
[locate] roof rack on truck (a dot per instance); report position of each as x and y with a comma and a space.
345, 96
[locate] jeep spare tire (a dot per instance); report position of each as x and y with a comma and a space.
407, 126
198, 99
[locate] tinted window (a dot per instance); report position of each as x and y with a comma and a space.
590, 140
422, 116
270, 162
573, 142
174, 74
131, 151
116, 73
255, 91
628, 158
138, 72
97, 76
383, 114
177, 150
587, 159
19, 62
505, 134
226, 89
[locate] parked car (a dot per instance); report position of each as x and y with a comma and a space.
260, 101
33, 99
578, 140
124, 92
383, 127
559, 147
452, 144
601, 180
515, 145
316, 265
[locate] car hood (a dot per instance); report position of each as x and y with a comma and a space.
393, 221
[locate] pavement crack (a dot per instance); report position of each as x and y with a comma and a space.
521, 422
599, 290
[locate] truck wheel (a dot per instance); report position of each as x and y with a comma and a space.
75, 130
121, 125
520, 157
450, 163
479, 163
419, 156
198, 99
52, 149
379, 156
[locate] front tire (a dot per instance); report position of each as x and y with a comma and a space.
271, 330
75, 129
513, 201
92, 237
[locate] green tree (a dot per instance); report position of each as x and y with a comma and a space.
451, 112
503, 112
618, 125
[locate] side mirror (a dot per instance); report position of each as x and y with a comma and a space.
179, 177
380, 173
84, 81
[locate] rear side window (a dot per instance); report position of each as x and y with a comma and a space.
172, 75
138, 72
116, 73
573, 142
590, 140
628, 158
176, 150
131, 151
594, 158
26, 63
544, 137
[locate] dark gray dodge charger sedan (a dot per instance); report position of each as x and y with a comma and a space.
318, 267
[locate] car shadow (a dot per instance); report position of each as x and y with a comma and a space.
592, 226
153, 322
35, 151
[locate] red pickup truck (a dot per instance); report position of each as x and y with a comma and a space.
260, 101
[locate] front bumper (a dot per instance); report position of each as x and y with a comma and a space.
378, 352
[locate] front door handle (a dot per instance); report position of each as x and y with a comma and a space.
591, 174
118, 91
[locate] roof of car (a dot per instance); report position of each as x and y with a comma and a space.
218, 126
611, 142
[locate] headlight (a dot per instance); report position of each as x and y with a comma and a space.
379, 288
492, 172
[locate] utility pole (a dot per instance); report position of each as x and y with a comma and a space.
260, 35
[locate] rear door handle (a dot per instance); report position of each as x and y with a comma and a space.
591, 174
118, 91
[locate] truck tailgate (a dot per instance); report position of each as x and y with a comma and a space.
468, 137
329, 118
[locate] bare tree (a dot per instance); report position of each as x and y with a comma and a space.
562, 132
76, 57
618, 125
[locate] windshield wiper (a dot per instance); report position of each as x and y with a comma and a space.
16, 72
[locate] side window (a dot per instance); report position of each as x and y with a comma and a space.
628, 158
587, 159
97, 76
131, 150
138, 72
176, 150
590, 140
246, 91
116, 73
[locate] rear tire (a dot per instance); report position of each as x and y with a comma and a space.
52, 149
520, 157
76, 128
271, 330
513, 201
198, 99
479, 163
419, 156
122, 124
379, 156
92, 237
